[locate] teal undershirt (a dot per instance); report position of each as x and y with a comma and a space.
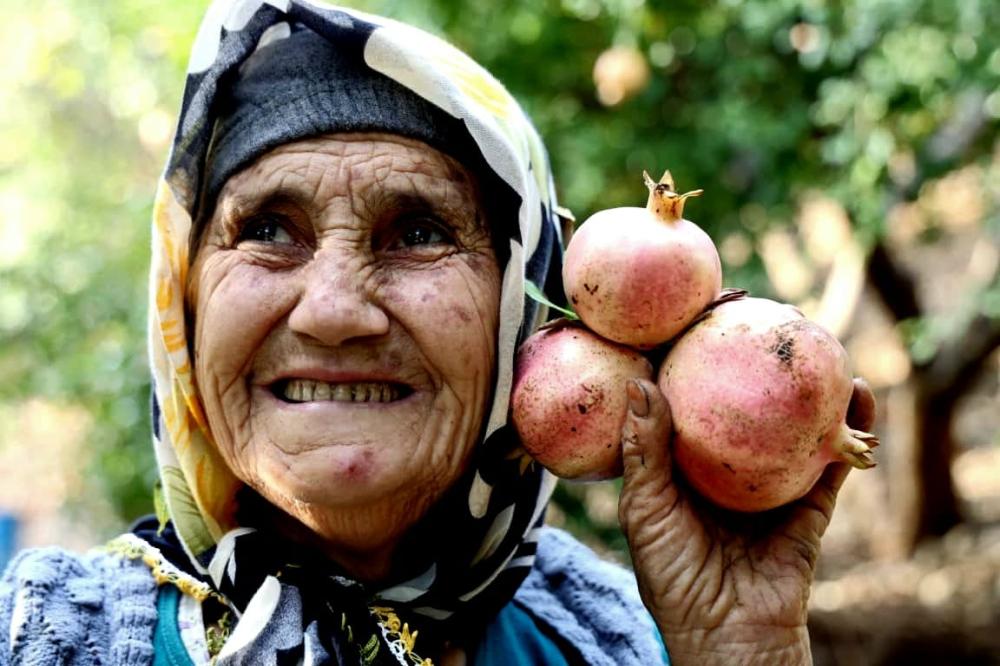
168, 648
513, 638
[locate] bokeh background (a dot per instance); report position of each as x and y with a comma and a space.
850, 155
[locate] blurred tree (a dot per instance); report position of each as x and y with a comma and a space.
89, 92
761, 102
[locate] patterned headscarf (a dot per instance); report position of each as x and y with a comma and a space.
477, 544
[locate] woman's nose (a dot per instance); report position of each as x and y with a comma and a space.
335, 306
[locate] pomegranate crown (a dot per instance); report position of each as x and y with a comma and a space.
664, 202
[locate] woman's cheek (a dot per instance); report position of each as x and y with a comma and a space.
452, 314
237, 306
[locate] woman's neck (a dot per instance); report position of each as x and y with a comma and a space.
361, 541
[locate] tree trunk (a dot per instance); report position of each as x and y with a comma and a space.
938, 384
937, 504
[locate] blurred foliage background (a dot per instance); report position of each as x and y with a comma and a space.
849, 152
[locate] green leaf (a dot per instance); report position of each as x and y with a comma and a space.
160, 505
532, 290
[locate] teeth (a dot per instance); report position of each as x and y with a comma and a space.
307, 390
321, 392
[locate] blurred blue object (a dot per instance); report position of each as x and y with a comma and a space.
8, 537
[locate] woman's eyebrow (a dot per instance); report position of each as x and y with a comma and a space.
461, 211
463, 208
265, 197
408, 199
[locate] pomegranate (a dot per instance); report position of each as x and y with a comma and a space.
620, 72
638, 276
569, 402
759, 396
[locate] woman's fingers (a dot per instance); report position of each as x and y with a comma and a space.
652, 510
861, 411
648, 508
813, 512
646, 436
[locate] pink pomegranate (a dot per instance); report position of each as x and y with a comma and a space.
569, 403
638, 276
759, 395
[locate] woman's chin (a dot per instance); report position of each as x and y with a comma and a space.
347, 496
354, 470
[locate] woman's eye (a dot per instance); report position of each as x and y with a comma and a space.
420, 233
265, 229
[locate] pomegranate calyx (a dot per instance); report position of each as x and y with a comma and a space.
664, 202
856, 448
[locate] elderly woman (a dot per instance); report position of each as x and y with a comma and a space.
340, 249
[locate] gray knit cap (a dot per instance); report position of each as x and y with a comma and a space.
301, 86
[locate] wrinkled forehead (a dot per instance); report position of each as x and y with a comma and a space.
363, 164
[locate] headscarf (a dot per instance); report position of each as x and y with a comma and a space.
477, 544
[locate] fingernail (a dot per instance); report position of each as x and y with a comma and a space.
638, 402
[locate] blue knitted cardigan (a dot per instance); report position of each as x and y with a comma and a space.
58, 607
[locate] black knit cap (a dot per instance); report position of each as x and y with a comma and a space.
301, 86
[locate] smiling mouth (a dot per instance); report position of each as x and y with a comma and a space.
308, 390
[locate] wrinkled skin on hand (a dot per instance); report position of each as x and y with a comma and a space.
723, 587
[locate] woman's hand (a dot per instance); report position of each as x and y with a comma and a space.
723, 587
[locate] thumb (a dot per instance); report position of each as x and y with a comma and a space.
646, 437
861, 411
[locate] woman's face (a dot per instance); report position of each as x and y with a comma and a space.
345, 297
